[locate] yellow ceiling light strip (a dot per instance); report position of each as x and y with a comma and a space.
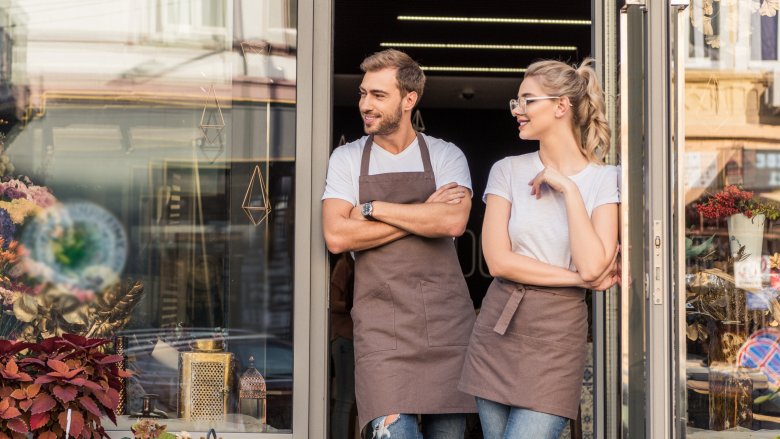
495, 20
478, 46
473, 69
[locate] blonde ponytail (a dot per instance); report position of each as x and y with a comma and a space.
582, 87
594, 126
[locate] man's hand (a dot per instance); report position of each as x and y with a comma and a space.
346, 229
357, 213
444, 214
450, 193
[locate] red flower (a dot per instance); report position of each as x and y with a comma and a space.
733, 200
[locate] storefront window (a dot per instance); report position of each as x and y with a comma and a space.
732, 219
148, 177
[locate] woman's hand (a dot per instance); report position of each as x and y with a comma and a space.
606, 283
553, 179
611, 275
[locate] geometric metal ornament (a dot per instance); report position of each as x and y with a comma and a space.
213, 124
342, 140
212, 152
256, 47
256, 205
417, 122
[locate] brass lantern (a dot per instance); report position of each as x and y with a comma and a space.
205, 381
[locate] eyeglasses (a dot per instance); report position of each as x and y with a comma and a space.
521, 103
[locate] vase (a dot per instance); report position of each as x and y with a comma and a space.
747, 232
730, 397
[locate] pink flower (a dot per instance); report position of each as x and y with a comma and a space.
40, 196
82, 295
7, 297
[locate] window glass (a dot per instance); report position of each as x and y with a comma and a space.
732, 209
148, 170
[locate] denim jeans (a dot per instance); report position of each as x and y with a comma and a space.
445, 426
343, 354
500, 421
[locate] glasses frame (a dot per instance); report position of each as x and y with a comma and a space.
522, 102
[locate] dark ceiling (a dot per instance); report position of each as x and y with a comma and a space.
360, 27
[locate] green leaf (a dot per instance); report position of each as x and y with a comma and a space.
692, 251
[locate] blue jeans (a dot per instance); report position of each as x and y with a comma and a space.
445, 426
500, 421
343, 352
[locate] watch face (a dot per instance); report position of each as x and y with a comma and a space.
366, 209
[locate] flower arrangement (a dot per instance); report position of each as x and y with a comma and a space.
67, 294
733, 200
57, 385
20, 202
149, 429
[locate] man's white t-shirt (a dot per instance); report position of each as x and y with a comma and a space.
447, 160
539, 228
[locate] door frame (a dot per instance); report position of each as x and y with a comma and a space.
652, 144
606, 305
313, 132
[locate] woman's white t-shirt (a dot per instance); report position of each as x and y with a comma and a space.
539, 228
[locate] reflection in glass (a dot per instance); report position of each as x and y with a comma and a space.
732, 208
139, 126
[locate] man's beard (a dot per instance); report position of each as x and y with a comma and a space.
387, 124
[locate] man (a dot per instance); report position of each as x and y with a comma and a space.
397, 198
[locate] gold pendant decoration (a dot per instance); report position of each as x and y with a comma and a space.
417, 122
212, 152
256, 47
212, 122
256, 205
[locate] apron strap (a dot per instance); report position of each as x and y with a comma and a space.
366, 155
509, 310
424, 153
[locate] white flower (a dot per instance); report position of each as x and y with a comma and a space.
769, 8
183, 435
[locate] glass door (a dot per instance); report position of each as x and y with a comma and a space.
730, 180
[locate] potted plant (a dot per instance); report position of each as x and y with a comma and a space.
746, 216
59, 384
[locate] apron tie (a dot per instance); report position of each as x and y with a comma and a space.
509, 310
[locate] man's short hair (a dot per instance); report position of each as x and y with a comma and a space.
409, 75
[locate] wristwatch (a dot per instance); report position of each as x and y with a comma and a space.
367, 209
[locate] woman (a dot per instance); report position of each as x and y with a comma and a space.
550, 231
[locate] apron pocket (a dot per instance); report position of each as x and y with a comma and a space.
449, 315
374, 322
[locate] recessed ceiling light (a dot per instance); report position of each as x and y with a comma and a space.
473, 69
478, 46
495, 20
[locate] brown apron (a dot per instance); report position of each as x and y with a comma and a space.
528, 348
412, 310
